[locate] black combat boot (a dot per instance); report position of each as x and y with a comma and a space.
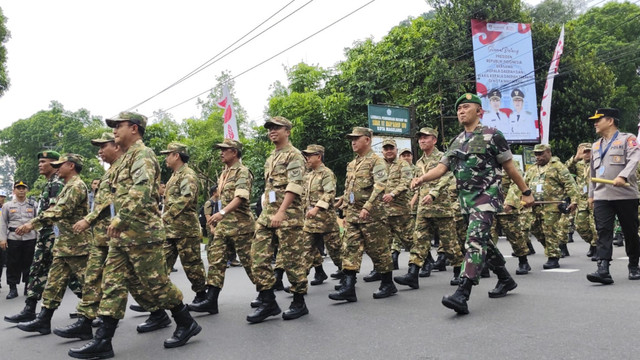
186, 327
552, 263
427, 266
505, 283
319, 277
618, 239
570, 237
338, 274
373, 276
27, 314
634, 272
97, 322
601, 275
387, 288
100, 347
340, 285
441, 262
81, 329
137, 308
41, 324
523, 265
297, 308
13, 292
210, 302
564, 251
410, 278
592, 251
278, 286
485, 273
268, 307
348, 290
157, 320
255, 303
532, 251
200, 296
394, 258
458, 300
455, 280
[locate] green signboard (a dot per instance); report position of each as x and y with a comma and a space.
384, 119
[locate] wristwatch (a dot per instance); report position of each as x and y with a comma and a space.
222, 212
526, 192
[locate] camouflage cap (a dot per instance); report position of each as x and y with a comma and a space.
360, 131
313, 149
541, 148
20, 183
129, 116
229, 144
494, 93
427, 131
74, 158
517, 94
606, 112
175, 147
585, 146
49, 154
278, 121
106, 137
402, 151
468, 98
389, 142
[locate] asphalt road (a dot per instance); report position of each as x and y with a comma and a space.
552, 314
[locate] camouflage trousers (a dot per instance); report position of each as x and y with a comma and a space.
142, 267
39, 270
333, 244
586, 226
92, 286
546, 229
371, 237
566, 223
292, 248
479, 247
217, 255
63, 268
513, 230
426, 229
401, 232
189, 251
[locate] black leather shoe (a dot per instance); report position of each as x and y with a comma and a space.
255, 303
338, 274
186, 328
504, 285
41, 324
319, 277
425, 271
373, 276
523, 266
100, 347
200, 296
157, 320
458, 300
394, 259
297, 308
137, 308
269, 307
410, 279
618, 239
13, 293
592, 251
455, 281
97, 322
387, 288
210, 302
601, 275
27, 314
348, 290
441, 263
81, 329
634, 272
552, 263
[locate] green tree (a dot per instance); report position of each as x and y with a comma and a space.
4, 37
554, 12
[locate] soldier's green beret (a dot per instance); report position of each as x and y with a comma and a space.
129, 116
541, 148
468, 98
360, 131
49, 154
105, 138
313, 149
427, 131
389, 142
278, 121
229, 144
175, 147
74, 158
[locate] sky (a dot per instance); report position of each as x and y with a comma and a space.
107, 56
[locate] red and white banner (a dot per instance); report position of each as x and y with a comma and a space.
230, 124
545, 106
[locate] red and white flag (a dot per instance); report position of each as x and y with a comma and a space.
545, 107
230, 124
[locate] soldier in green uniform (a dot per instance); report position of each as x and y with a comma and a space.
578, 165
135, 246
180, 218
234, 223
365, 228
280, 225
476, 158
550, 181
320, 222
70, 251
43, 256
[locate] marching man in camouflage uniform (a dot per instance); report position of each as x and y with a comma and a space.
320, 223
406, 155
135, 246
476, 158
180, 218
43, 255
70, 250
550, 181
578, 165
365, 227
234, 223
282, 219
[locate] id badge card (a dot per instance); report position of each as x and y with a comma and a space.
56, 231
219, 205
352, 198
584, 189
539, 188
272, 196
112, 210
601, 170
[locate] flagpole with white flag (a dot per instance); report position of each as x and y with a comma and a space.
230, 124
545, 107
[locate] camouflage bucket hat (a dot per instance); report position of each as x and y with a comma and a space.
360, 131
229, 144
175, 147
129, 116
49, 154
74, 158
278, 121
105, 138
313, 149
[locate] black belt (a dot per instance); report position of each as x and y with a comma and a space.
12, 229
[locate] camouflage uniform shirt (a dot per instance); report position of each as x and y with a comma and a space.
320, 191
581, 170
100, 215
364, 188
551, 182
438, 189
398, 183
236, 181
180, 214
